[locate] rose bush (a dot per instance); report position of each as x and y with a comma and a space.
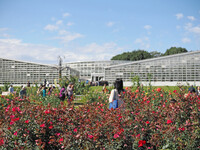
146, 121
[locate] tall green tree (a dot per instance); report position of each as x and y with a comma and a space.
175, 50
132, 56
141, 54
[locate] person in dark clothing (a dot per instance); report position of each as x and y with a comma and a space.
62, 94
28, 84
191, 89
45, 82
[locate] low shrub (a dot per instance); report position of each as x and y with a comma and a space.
146, 121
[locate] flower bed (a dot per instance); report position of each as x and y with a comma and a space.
147, 121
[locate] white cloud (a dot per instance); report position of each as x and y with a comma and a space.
143, 43
186, 40
10, 41
94, 51
63, 32
179, 16
96, 48
70, 23
147, 27
51, 27
193, 29
110, 24
66, 36
59, 22
3, 29
66, 15
3, 33
17, 49
192, 18
188, 26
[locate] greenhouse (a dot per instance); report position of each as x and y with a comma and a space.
93, 70
166, 70
20, 72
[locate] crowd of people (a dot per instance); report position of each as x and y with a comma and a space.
193, 90
46, 89
115, 96
67, 93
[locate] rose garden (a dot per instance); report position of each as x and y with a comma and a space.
149, 119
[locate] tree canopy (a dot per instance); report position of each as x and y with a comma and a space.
142, 54
133, 56
175, 50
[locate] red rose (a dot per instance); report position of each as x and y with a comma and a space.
158, 89
27, 121
42, 125
141, 143
169, 121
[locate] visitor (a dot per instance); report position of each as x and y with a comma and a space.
70, 89
11, 90
62, 94
28, 84
39, 91
47, 83
22, 92
86, 82
44, 91
113, 99
50, 90
116, 96
198, 91
104, 89
191, 89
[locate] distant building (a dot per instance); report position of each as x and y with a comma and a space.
93, 70
20, 72
166, 70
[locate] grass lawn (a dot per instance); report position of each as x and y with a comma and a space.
145, 88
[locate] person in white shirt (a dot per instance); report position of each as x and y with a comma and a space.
69, 93
198, 91
113, 99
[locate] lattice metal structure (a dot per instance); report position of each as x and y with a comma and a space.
183, 67
20, 72
87, 68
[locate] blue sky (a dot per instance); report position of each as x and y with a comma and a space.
82, 30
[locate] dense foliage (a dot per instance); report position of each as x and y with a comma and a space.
79, 86
142, 54
146, 121
132, 56
175, 50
